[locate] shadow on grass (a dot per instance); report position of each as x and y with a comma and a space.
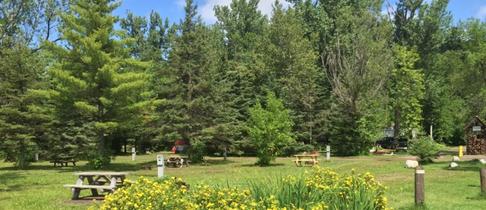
479, 196
85, 167
471, 165
414, 207
217, 162
255, 165
8, 177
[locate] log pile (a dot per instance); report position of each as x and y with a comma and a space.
476, 145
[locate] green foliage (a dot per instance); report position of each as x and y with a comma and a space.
322, 186
320, 189
406, 92
424, 148
197, 150
269, 128
21, 122
294, 73
356, 64
95, 82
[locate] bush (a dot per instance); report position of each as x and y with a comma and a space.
270, 129
425, 149
319, 189
98, 161
196, 151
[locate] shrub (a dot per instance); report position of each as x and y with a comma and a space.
425, 149
270, 129
317, 190
196, 151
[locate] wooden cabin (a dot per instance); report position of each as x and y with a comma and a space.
475, 133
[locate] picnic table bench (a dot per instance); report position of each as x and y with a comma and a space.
97, 181
63, 161
177, 161
304, 159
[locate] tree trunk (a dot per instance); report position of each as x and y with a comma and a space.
396, 127
225, 153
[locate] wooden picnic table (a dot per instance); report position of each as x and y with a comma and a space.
63, 161
97, 180
177, 161
304, 159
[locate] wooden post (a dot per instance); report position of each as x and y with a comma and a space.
461, 153
482, 175
328, 152
419, 186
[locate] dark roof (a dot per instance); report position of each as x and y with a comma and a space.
475, 120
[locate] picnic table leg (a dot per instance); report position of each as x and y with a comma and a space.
94, 192
113, 182
76, 192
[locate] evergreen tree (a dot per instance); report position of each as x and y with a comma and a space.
244, 29
95, 82
191, 107
21, 123
295, 74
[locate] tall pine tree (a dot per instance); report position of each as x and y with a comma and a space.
97, 85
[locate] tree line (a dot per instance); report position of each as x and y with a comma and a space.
77, 81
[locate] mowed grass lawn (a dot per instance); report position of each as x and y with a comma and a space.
41, 187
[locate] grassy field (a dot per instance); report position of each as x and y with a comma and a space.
41, 187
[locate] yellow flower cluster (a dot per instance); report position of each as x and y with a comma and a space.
171, 194
334, 191
147, 194
350, 189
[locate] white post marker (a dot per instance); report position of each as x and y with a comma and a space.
134, 153
160, 166
328, 152
36, 157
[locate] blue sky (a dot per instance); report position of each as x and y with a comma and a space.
173, 9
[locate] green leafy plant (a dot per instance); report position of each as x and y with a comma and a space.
425, 148
270, 129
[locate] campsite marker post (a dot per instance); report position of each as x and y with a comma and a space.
160, 166
328, 152
134, 153
419, 186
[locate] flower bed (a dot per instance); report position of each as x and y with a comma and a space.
320, 188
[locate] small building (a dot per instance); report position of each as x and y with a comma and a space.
475, 133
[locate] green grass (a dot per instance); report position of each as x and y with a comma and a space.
41, 187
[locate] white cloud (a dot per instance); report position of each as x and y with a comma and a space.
207, 9
181, 3
481, 12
